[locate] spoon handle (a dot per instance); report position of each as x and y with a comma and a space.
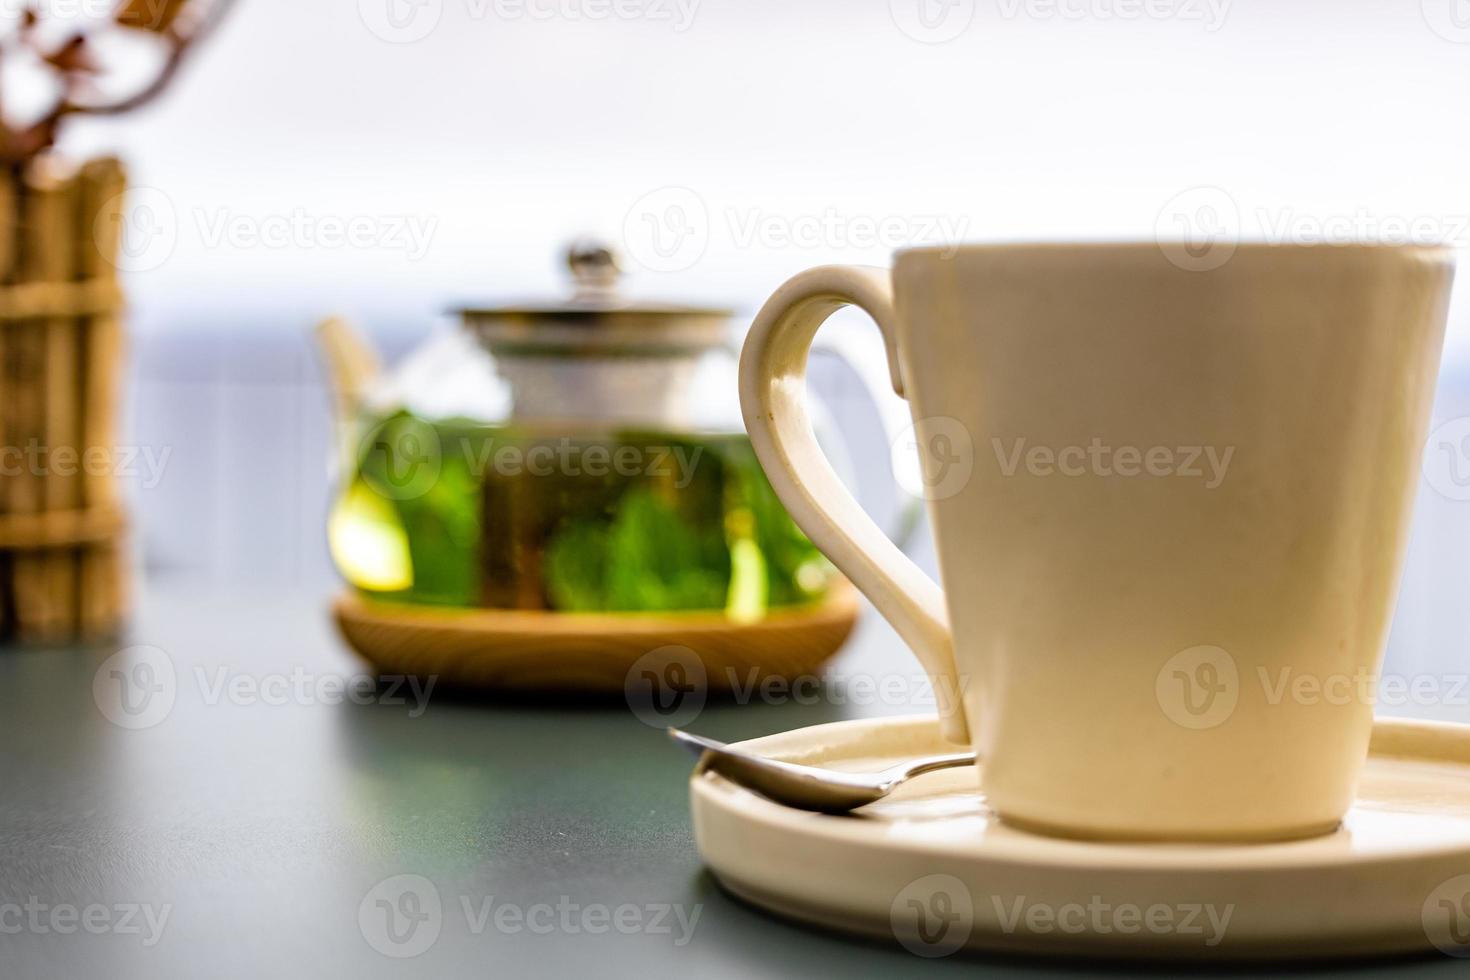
920, 766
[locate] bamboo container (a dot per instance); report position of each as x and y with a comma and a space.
46, 577
26, 402
61, 568
9, 206
103, 569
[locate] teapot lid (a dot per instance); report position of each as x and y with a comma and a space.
596, 318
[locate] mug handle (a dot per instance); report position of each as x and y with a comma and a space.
773, 401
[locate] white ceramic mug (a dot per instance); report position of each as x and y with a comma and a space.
1162, 498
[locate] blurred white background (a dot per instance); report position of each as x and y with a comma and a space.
509, 132
467, 140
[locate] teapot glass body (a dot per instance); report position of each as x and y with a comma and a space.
600, 480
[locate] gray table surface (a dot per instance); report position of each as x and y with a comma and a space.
260, 828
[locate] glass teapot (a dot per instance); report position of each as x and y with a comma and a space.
584, 456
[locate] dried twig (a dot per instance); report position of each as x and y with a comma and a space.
179, 24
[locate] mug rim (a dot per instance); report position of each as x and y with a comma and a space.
1440, 251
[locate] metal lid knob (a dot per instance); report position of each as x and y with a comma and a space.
597, 318
595, 269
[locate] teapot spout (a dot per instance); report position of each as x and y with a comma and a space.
353, 367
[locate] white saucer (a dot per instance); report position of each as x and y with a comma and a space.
933, 868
